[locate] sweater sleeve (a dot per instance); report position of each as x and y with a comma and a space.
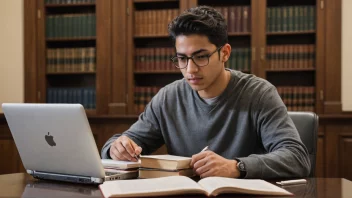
286, 154
145, 132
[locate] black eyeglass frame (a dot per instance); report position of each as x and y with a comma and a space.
191, 57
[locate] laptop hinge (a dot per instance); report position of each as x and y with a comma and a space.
30, 172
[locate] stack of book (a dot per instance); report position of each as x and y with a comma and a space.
129, 169
154, 166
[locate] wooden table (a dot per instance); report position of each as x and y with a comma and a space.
24, 185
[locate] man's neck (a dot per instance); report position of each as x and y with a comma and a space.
217, 87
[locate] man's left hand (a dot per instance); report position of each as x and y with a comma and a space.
208, 163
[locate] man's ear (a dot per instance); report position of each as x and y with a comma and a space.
226, 51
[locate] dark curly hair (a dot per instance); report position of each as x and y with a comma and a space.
202, 20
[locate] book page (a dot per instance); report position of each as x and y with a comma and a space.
218, 185
119, 164
166, 157
173, 185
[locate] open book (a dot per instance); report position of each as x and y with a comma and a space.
178, 185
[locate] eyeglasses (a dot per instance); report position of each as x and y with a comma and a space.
181, 62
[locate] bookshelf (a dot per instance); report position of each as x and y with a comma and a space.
67, 57
271, 39
282, 42
290, 44
151, 49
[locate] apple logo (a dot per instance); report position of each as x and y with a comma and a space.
50, 139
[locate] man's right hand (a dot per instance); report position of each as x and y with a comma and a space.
124, 149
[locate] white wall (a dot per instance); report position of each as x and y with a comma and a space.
11, 51
346, 61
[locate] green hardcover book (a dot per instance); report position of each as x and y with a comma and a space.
284, 20
78, 23
312, 18
273, 19
63, 32
48, 26
83, 24
58, 26
94, 25
75, 26
279, 19
301, 18
296, 18
290, 19
306, 18
89, 25
54, 26
70, 26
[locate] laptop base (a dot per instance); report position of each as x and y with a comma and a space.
65, 178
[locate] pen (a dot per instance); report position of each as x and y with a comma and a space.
290, 182
205, 148
137, 156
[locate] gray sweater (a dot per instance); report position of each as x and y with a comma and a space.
247, 121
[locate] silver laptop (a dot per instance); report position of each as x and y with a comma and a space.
55, 142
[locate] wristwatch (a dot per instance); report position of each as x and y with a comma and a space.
242, 168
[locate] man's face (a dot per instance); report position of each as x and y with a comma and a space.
199, 78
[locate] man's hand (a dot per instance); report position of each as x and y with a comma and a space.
208, 163
124, 149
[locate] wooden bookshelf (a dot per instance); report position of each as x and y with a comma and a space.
70, 39
70, 73
158, 72
153, 1
151, 36
91, 112
239, 34
69, 5
61, 53
290, 33
291, 70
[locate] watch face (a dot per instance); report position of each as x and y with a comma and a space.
241, 166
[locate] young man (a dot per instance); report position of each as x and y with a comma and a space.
239, 116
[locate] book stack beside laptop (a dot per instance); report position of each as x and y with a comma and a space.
154, 166
126, 168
